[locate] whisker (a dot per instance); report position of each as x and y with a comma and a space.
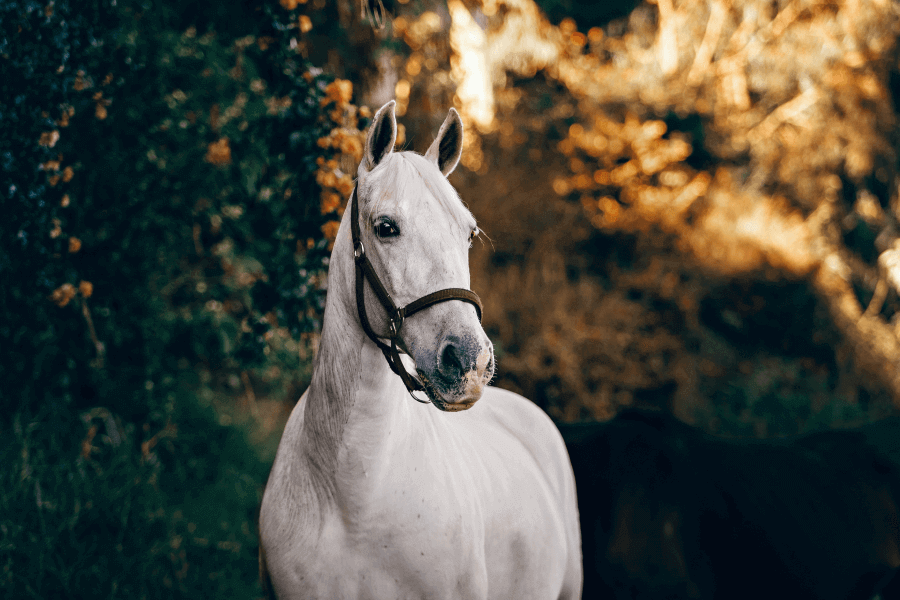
481, 235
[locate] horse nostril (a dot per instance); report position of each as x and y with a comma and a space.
450, 357
458, 355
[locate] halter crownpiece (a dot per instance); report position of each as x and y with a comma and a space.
396, 316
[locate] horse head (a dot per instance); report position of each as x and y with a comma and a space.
416, 233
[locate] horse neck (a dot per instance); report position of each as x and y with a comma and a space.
354, 400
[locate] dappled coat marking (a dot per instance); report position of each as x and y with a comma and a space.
670, 512
375, 496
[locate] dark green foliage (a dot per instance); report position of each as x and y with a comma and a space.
196, 184
111, 517
161, 243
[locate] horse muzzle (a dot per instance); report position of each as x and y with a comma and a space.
463, 367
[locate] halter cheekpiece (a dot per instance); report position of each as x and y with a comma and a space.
396, 316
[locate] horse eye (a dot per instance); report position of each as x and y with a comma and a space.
472, 236
386, 229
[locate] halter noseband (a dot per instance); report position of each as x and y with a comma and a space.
364, 270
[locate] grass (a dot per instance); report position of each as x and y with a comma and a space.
94, 507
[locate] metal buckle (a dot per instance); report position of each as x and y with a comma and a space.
358, 250
395, 322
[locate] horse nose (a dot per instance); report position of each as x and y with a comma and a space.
458, 355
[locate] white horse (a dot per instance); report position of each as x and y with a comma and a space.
375, 496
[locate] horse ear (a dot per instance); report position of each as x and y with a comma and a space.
447, 146
381, 138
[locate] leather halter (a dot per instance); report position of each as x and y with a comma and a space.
364, 270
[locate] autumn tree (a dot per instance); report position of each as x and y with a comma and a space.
734, 165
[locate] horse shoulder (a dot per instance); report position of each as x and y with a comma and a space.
537, 435
531, 431
534, 430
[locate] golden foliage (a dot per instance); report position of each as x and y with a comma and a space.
345, 143
219, 152
330, 229
63, 294
49, 138
339, 91
275, 106
81, 82
748, 136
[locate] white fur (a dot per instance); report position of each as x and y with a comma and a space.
373, 495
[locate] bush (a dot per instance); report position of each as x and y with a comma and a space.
172, 179
90, 511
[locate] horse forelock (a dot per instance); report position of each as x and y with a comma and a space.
403, 175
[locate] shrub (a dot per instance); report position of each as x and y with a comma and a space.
172, 174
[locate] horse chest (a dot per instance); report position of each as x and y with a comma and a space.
426, 532
408, 555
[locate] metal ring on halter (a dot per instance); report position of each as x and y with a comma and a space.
358, 250
419, 400
395, 322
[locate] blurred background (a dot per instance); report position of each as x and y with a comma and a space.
687, 205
